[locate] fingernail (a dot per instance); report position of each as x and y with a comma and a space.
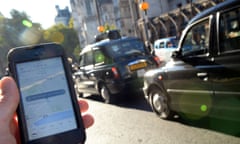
1, 98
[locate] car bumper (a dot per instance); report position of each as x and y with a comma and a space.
126, 86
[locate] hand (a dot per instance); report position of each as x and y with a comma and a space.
9, 100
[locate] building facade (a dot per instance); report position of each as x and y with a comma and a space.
85, 20
89, 14
172, 22
163, 18
63, 16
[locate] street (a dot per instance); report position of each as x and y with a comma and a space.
135, 123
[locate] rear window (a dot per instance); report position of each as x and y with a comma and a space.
166, 43
123, 48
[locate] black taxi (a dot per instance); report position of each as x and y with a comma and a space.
203, 77
112, 68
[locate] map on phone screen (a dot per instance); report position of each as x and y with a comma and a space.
45, 97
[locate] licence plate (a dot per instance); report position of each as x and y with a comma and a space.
138, 66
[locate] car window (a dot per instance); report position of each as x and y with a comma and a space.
161, 44
156, 44
172, 43
230, 30
124, 48
197, 39
81, 62
86, 59
100, 58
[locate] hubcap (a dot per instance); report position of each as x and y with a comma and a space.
160, 104
104, 93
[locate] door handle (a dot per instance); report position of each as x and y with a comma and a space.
203, 75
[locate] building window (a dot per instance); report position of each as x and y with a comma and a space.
88, 7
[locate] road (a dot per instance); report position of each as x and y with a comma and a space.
134, 123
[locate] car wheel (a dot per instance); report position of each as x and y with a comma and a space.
160, 104
105, 94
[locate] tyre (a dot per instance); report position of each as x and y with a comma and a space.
160, 104
106, 95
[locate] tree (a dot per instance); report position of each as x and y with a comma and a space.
71, 23
20, 30
109, 27
63, 35
15, 32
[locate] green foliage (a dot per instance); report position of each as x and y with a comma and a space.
109, 27
13, 33
71, 24
20, 30
76, 52
63, 35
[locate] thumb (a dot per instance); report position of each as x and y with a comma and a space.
9, 98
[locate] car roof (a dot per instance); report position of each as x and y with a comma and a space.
107, 42
221, 6
165, 39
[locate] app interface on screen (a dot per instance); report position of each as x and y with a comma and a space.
45, 96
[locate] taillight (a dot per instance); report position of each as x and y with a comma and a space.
115, 72
157, 60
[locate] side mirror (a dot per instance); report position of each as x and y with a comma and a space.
75, 67
176, 54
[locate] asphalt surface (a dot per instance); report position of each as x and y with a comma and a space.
134, 123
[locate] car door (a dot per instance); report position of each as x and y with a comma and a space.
188, 82
227, 79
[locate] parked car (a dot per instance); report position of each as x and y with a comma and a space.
203, 77
164, 47
112, 67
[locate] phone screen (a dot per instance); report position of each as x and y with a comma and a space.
45, 97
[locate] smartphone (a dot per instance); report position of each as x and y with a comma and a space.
48, 112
